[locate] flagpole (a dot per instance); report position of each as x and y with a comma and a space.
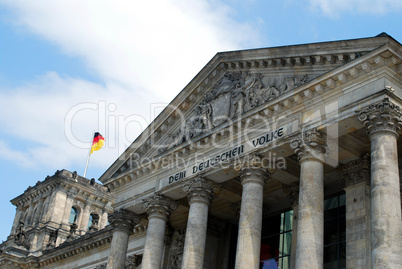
89, 154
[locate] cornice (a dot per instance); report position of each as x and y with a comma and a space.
68, 182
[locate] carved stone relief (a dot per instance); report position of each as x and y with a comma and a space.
177, 249
133, 262
234, 94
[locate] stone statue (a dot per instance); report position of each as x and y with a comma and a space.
133, 262
20, 235
72, 235
177, 248
95, 223
52, 239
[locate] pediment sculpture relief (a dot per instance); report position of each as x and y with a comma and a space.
234, 94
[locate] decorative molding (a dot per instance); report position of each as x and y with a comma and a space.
133, 262
310, 144
177, 249
253, 169
201, 190
159, 206
234, 94
123, 220
356, 171
383, 116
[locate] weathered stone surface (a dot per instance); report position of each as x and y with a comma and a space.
200, 192
123, 223
310, 148
249, 237
383, 120
358, 227
158, 208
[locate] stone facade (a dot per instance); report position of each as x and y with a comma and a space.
279, 157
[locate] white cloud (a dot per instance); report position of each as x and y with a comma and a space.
158, 45
37, 113
143, 52
332, 8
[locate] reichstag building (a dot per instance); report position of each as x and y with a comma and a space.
283, 157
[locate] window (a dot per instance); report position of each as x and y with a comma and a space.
73, 215
276, 241
335, 232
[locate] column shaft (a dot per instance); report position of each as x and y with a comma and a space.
123, 223
194, 246
383, 121
311, 148
159, 209
385, 201
153, 248
200, 193
118, 250
249, 238
310, 226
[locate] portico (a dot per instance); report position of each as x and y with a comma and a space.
250, 166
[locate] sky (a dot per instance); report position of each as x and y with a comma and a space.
69, 68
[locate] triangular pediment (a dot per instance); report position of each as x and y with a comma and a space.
235, 83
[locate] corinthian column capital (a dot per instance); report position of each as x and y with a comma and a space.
123, 220
383, 116
159, 206
201, 190
310, 145
356, 171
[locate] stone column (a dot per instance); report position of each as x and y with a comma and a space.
356, 175
158, 209
67, 211
39, 210
83, 223
310, 148
200, 192
123, 222
28, 221
103, 221
253, 178
383, 121
292, 191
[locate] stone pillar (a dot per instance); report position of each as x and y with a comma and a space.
28, 220
292, 191
103, 221
17, 219
123, 222
158, 209
383, 121
83, 224
253, 178
200, 192
67, 212
310, 148
356, 175
39, 210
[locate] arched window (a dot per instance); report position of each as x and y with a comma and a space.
73, 215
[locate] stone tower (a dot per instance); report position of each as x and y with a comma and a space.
57, 210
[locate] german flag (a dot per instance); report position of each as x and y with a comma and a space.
98, 142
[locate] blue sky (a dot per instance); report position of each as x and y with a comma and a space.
68, 68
